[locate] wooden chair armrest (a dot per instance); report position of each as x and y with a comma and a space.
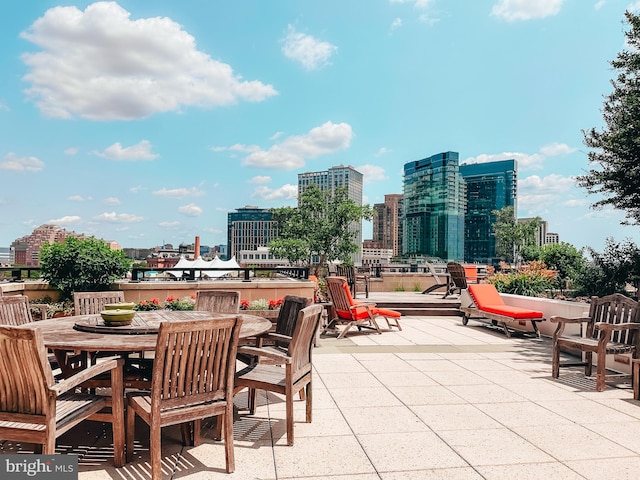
368, 306
557, 319
106, 364
617, 326
259, 352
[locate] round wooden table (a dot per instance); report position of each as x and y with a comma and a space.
62, 333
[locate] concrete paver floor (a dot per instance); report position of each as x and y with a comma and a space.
437, 400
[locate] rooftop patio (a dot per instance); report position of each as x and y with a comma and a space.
436, 400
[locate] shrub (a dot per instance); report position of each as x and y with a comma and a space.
530, 280
145, 306
82, 265
184, 303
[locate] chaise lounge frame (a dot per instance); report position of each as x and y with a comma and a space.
510, 319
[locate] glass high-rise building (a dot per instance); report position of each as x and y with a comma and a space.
339, 176
434, 205
490, 186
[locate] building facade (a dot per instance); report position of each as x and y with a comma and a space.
331, 179
433, 209
387, 223
248, 229
25, 251
489, 186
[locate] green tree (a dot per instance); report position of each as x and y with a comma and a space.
320, 229
616, 149
513, 237
82, 265
610, 271
565, 259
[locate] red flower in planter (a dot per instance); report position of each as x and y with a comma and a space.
244, 304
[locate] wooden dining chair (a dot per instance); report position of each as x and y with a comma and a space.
291, 370
36, 409
90, 303
192, 379
217, 301
16, 310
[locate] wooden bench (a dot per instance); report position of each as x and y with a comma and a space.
489, 306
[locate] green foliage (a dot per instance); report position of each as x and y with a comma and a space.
319, 229
513, 238
184, 303
566, 260
530, 280
611, 270
82, 265
616, 150
147, 305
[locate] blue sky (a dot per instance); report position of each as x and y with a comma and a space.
147, 121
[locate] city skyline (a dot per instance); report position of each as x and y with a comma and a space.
148, 122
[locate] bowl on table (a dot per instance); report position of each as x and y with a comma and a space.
120, 306
117, 317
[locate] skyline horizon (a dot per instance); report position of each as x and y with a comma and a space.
142, 122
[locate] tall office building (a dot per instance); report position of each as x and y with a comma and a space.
387, 224
339, 176
490, 186
249, 228
434, 200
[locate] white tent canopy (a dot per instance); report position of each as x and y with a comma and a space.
202, 267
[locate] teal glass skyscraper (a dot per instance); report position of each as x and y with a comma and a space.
434, 205
490, 186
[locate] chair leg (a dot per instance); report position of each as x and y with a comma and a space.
601, 372
156, 452
555, 361
227, 418
252, 401
309, 402
588, 368
131, 422
344, 332
289, 413
117, 417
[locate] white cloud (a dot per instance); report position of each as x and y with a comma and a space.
112, 201
383, 151
634, 7
3, 107
311, 53
371, 173
525, 161
417, 3
113, 217
78, 198
512, 10
169, 224
293, 151
101, 65
286, 192
555, 149
66, 220
15, 163
260, 179
140, 151
599, 4
536, 193
576, 202
71, 151
179, 192
397, 23
191, 210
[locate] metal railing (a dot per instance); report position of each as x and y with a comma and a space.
192, 274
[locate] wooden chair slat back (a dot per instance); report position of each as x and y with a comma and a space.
288, 314
613, 309
90, 303
340, 296
194, 362
24, 390
15, 310
458, 275
302, 340
218, 301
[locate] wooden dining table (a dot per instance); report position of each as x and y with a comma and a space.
88, 333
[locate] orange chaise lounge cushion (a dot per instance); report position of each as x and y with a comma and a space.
487, 299
360, 313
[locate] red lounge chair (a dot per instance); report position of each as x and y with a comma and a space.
358, 314
489, 305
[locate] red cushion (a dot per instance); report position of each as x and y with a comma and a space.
360, 313
487, 299
513, 312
